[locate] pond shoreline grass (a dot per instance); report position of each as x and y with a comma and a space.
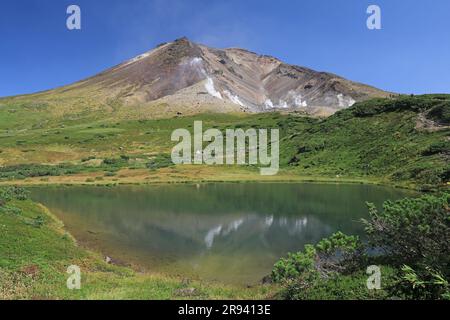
105, 281
191, 174
35, 258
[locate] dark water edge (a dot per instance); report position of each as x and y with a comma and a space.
225, 232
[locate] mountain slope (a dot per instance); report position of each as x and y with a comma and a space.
402, 139
184, 77
405, 141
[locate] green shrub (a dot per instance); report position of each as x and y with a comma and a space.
338, 287
338, 253
125, 157
11, 210
115, 163
423, 285
440, 113
412, 231
87, 159
414, 236
160, 161
433, 104
9, 193
294, 265
111, 161
35, 170
437, 148
409, 237
37, 222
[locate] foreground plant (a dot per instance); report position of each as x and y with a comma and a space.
410, 238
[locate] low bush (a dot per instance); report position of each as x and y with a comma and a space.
35, 170
412, 231
410, 238
160, 161
10, 193
440, 113
338, 253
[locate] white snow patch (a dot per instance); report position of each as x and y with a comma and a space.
297, 226
233, 227
197, 63
235, 99
221, 231
209, 239
142, 56
139, 57
209, 86
283, 222
269, 221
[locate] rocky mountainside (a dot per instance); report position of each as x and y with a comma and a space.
184, 77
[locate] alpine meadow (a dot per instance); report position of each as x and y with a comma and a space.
210, 172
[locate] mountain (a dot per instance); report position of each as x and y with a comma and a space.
183, 77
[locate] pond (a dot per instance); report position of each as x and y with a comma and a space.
229, 233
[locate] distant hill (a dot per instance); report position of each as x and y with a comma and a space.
182, 77
404, 141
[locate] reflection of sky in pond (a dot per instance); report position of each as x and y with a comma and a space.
226, 232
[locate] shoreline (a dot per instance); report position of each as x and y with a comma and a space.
102, 280
139, 268
141, 177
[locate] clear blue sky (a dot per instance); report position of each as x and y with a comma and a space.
411, 54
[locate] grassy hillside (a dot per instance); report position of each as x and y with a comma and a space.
401, 141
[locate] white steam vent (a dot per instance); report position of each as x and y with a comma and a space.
197, 64
268, 104
345, 101
299, 102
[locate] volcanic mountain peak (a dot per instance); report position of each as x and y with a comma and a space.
191, 78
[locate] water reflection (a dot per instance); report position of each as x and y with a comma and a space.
226, 232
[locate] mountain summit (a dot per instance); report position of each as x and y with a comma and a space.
185, 77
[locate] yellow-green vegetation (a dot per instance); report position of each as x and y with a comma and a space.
402, 141
36, 252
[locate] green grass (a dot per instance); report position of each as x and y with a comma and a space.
375, 141
379, 140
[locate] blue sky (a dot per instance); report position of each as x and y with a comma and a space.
411, 54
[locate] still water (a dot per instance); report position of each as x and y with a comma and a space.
230, 233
